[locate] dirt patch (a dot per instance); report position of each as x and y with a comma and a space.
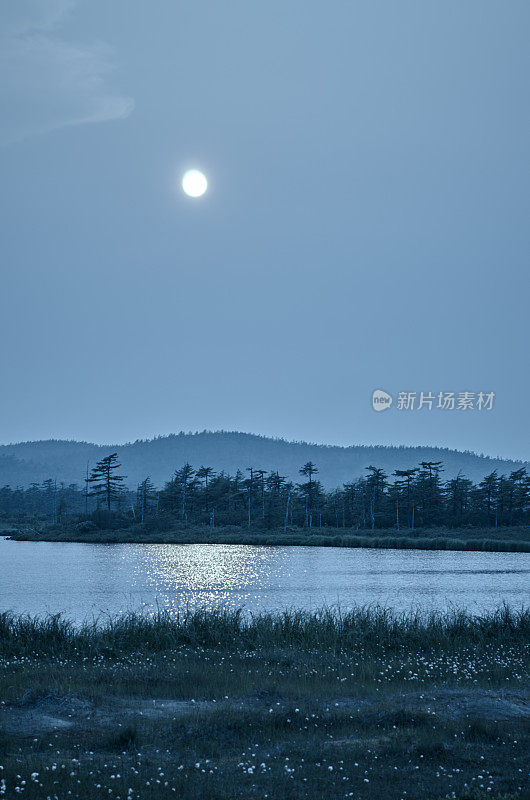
32, 715
154, 709
24, 722
477, 703
453, 703
35, 716
499, 706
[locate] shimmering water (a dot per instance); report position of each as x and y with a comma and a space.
83, 580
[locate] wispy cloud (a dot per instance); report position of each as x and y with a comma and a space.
48, 81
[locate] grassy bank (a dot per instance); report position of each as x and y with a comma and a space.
515, 539
298, 705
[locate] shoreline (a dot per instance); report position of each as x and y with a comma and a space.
515, 540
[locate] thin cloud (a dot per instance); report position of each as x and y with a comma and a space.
51, 83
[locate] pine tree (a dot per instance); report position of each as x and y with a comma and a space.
104, 482
260, 476
429, 489
404, 491
376, 484
145, 493
309, 490
457, 493
520, 494
487, 493
206, 474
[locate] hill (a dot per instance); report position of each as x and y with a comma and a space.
27, 462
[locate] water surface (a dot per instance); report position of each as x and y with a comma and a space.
85, 580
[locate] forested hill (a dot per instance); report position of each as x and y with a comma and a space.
29, 462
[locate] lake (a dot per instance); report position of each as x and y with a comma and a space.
85, 580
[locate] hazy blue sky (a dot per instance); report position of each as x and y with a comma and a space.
366, 225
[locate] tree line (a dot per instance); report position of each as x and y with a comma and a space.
257, 498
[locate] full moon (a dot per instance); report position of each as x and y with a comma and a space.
194, 183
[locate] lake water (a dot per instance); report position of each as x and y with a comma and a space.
84, 580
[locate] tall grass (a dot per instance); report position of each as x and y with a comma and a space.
372, 629
515, 540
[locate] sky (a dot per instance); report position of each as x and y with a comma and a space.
365, 225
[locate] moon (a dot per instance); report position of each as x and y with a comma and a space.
194, 183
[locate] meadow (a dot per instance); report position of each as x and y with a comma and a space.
220, 704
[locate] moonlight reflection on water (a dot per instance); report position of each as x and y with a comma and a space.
207, 575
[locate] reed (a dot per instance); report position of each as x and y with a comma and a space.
514, 540
373, 628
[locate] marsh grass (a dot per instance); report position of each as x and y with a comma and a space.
373, 628
508, 539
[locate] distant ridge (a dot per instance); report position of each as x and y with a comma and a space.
27, 462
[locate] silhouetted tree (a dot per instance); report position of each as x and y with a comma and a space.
104, 482
308, 490
405, 492
145, 494
376, 483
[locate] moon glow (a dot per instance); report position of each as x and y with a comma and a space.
194, 183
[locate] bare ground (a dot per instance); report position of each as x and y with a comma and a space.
33, 716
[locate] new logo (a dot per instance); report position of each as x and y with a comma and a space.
381, 400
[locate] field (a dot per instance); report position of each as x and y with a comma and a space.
509, 539
221, 705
